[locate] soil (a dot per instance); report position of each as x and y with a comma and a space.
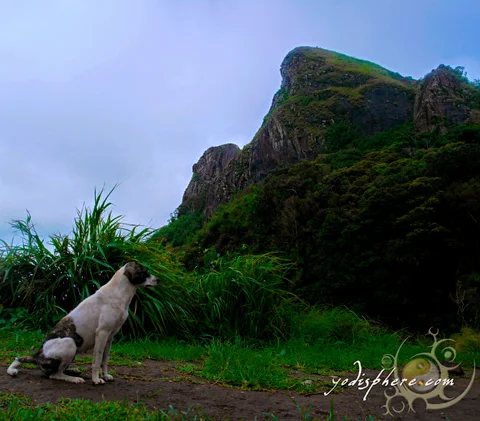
158, 385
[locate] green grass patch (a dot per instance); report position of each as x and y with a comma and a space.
15, 407
168, 349
18, 407
18, 342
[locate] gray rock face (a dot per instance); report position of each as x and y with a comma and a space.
274, 146
206, 173
384, 107
440, 100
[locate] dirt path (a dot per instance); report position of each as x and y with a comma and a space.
157, 385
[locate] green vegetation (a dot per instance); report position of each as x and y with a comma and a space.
19, 407
347, 63
379, 224
341, 135
364, 66
180, 228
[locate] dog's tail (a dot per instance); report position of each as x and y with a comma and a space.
13, 371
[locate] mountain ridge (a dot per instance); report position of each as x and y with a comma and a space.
322, 91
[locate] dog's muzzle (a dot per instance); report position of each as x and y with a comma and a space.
151, 282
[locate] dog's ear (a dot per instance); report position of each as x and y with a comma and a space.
129, 271
136, 273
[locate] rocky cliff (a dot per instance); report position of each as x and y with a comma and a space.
206, 173
319, 89
444, 99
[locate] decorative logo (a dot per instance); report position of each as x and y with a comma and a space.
423, 377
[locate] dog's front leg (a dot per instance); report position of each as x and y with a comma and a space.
106, 355
101, 338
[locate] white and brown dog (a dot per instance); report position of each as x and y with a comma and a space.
92, 324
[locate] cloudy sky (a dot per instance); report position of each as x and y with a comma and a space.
94, 93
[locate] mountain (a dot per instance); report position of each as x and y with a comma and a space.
324, 92
368, 181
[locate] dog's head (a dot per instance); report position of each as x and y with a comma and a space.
138, 275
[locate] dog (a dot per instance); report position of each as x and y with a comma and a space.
92, 324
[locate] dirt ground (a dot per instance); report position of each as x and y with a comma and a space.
157, 385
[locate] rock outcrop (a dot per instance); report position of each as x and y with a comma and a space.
444, 99
319, 88
206, 173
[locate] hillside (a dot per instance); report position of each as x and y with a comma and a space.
367, 180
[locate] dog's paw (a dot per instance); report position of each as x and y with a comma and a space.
65, 378
12, 371
98, 381
76, 380
108, 378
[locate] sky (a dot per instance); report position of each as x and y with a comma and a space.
95, 93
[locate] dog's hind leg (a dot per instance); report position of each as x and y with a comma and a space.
71, 370
57, 355
13, 370
60, 375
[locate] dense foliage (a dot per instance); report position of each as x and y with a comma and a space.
387, 225
180, 227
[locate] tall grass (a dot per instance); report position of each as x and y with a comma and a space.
245, 297
241, 297
49, 278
